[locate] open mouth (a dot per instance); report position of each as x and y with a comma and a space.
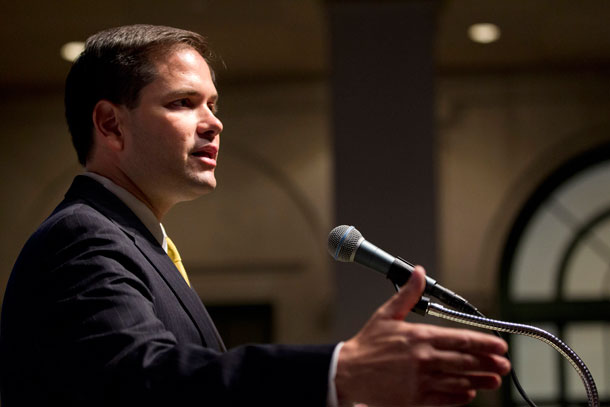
207, 154
208, 151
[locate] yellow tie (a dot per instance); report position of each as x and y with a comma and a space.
173, 254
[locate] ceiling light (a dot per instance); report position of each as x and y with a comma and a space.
71, 50
484, 33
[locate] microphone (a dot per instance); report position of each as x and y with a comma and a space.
345, 243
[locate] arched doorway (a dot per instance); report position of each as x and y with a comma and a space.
555, 274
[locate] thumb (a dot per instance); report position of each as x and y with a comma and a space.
403, 301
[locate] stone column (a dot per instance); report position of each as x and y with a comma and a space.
384, 141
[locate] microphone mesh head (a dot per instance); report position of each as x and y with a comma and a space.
343, 242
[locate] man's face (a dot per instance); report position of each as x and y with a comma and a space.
172, 137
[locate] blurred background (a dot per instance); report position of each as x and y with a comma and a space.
470, 136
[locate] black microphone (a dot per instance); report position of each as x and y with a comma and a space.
345, 243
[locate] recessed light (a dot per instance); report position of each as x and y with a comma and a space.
71, 50
484, 33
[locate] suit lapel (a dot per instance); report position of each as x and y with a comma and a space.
185, 294
114, 209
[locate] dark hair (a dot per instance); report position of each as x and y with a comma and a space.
115, 65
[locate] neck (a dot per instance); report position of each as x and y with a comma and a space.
158, 207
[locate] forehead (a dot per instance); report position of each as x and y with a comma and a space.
182, 68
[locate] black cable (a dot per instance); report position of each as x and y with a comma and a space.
513, 374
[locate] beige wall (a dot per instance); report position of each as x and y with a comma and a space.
499, 136
37, 164
261, 236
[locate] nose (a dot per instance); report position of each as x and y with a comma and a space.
209, 126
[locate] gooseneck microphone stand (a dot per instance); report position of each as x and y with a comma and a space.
426, 307
346, 243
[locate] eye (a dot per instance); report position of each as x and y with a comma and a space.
181, 103
213, 108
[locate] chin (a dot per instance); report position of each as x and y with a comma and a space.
194, 193
204, 186
194, 185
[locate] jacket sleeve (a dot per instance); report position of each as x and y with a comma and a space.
100, 342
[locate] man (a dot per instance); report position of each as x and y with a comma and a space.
97, 314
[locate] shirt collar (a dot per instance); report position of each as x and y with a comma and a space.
138, 207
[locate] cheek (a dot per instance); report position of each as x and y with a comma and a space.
162, 137
179, 131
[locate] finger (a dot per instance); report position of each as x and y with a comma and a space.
446, 399
460, 383
401, 303
448, 361
485, 381
468, 341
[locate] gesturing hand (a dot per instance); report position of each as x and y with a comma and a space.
391, 362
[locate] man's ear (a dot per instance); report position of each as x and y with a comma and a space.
107, 124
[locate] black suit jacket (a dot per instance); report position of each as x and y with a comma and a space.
96, 314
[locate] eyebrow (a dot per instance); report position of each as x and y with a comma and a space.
190, 92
